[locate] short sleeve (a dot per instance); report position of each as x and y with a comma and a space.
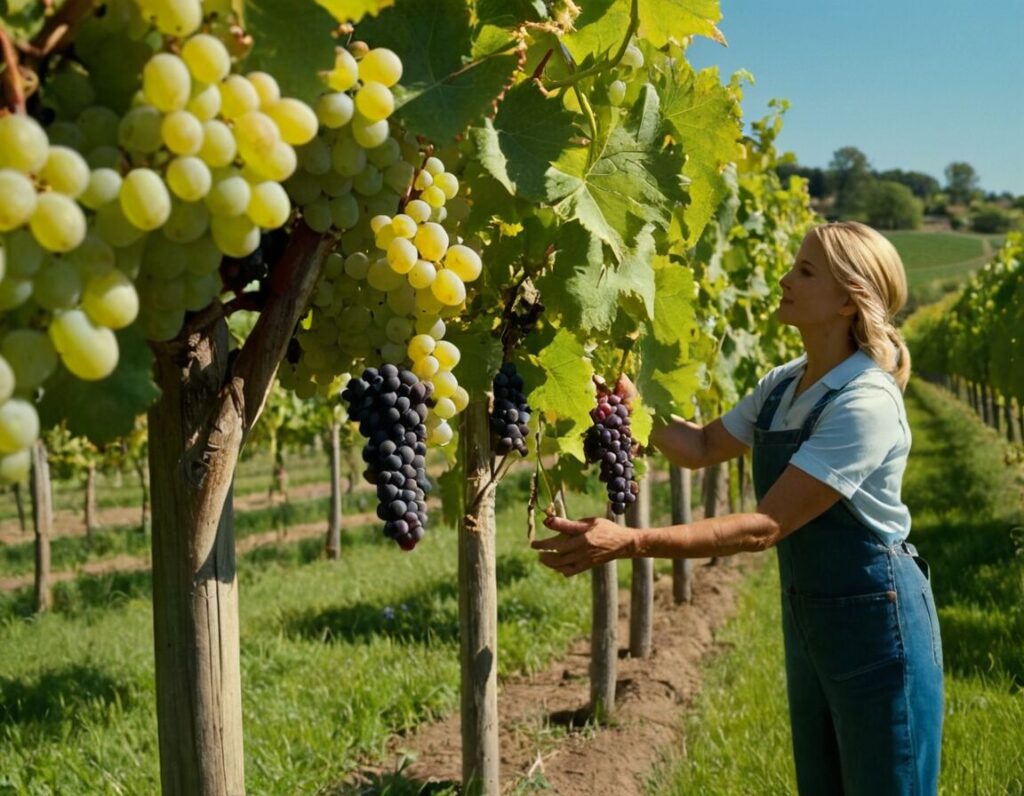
854, 436
742, 418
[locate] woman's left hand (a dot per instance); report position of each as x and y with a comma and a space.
584, 544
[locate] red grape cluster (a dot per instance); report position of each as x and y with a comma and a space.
610, 441
511, 413
390, 406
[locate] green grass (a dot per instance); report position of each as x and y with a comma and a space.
937, 262
336, 658
964, 500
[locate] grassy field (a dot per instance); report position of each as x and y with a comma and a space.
336, 658
967, 524
937, 261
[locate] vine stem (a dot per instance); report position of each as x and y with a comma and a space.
596, 69
13, 86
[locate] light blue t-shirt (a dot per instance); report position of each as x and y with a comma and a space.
859, 445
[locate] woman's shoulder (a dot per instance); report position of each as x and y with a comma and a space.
780, 373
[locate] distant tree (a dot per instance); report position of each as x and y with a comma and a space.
991, 219
1018, 203
961, 182
849, 178
816, 181
891, 205
922, 185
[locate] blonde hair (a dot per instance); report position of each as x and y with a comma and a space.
865, 263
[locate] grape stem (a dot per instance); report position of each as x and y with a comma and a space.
596, 69
14, 87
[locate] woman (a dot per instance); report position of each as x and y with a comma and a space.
830, 441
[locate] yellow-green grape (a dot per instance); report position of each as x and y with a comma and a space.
398, 331
58, 223
380, 65
402, 255
88, 351
14, 292
256, 134
425, 367
463, 262
444, 382
295, 119
189, 178
397, 177
433, 166
187, 221
448, 183
432, 241
418, 211
23, 255
219, 147
447, 354
448, 288
382, 277
166, 83
377, 223
422, 345
30, 360
141, 129
369, 135
110, 300
7, 379
460, 398
424, 179
441, 434
92, 257
375, 101
444, 408
345, 72
19, 425
278, 165
433, 196
632, 58
182, 133
317, 215
236, 236
433, 326
334, 109
356, 265
269, 206
65, 171
18, 199
113, 226
427, 303
266, 86
344, 211
229, 196
403, 226
14, 467
204, 102
368, 182
207, 58
178, 17
145, 199
237, 96
57, 286
104, 186
347, 157
422, 274
23, 143
616, 92
315, 157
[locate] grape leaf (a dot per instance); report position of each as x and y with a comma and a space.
354, 10
276, 27
509, 13
674, 319
104, 410
443, 89
481, 357
633, 181
641, 420
703, 116
566, 394
529, 132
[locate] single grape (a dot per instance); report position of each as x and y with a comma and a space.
380, 65
65, 171
432, 241
145, 199
30, 360
58, 223
374, 101
448, 288
266, 86
269, 206
334, 109
616, 92
166, 83
104, 187
295, 119
463, 262
218, 148
23, 143
182, 133
111, 300
19, 425
207, 58
18, 199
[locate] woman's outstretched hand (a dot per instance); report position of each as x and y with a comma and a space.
582, 544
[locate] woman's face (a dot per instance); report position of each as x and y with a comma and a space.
811, 296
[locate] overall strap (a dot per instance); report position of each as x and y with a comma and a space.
812, 417
764, 417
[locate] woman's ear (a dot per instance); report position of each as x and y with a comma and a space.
849, 307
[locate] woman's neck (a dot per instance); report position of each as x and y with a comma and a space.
825, 349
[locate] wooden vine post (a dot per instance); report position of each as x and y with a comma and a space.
641, 601
333, 545
42, 520
604, 635
716, 486
681, 484
478, 609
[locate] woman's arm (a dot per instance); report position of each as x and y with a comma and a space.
690, 445
794, 500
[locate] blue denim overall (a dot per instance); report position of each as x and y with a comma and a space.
863, 653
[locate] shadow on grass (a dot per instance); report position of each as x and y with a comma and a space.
57, 696
430, 612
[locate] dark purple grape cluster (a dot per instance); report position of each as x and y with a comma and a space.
390, 406
511, 414
610, 442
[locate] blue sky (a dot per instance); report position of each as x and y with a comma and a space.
914, 84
